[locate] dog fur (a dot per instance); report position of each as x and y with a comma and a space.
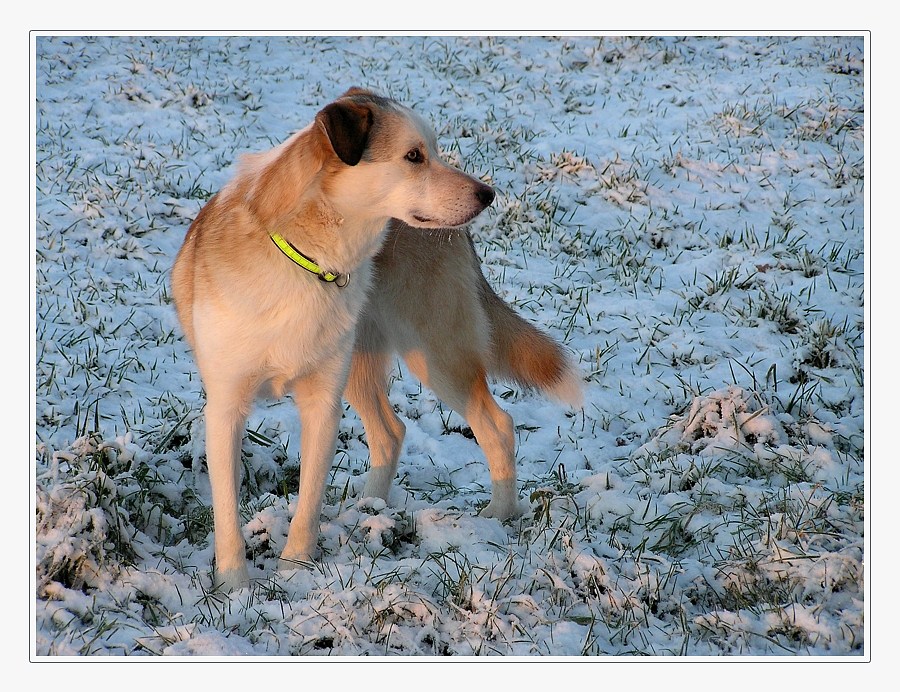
362, 190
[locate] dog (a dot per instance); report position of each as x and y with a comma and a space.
309, 269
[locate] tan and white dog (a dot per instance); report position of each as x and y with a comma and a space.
278, 289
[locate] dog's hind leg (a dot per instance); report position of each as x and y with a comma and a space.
495, 432
459, 379
367, 393
226, 413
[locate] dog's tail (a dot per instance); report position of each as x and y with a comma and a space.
527, 356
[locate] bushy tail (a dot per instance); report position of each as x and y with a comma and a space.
526, 355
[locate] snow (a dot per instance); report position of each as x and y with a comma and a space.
686, 214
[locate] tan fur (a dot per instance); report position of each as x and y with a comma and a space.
260, 325
432, 305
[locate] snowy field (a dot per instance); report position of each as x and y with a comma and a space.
686, 215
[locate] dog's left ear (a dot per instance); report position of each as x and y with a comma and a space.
347, 125
358, 91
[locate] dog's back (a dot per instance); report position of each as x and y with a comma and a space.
431, 296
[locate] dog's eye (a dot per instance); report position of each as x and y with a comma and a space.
414, 156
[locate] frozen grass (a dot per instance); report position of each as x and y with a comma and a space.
686, 214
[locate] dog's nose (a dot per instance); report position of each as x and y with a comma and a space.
485, 195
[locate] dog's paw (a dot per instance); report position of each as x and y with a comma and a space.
505, 503
378, 482
507, 508
289, 564
300, 550
231, 580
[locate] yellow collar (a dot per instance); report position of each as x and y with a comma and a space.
301, 260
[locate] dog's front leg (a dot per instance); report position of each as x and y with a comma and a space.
318, 399
225, 418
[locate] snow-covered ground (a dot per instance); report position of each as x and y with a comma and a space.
686, 214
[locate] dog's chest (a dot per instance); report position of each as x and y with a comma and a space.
309, 322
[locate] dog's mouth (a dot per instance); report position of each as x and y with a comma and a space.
458, 212
431, 222
446, 222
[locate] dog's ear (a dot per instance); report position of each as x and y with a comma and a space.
357, 91
347, 124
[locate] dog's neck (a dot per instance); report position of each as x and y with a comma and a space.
339, 243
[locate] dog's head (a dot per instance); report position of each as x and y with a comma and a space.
387, 164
